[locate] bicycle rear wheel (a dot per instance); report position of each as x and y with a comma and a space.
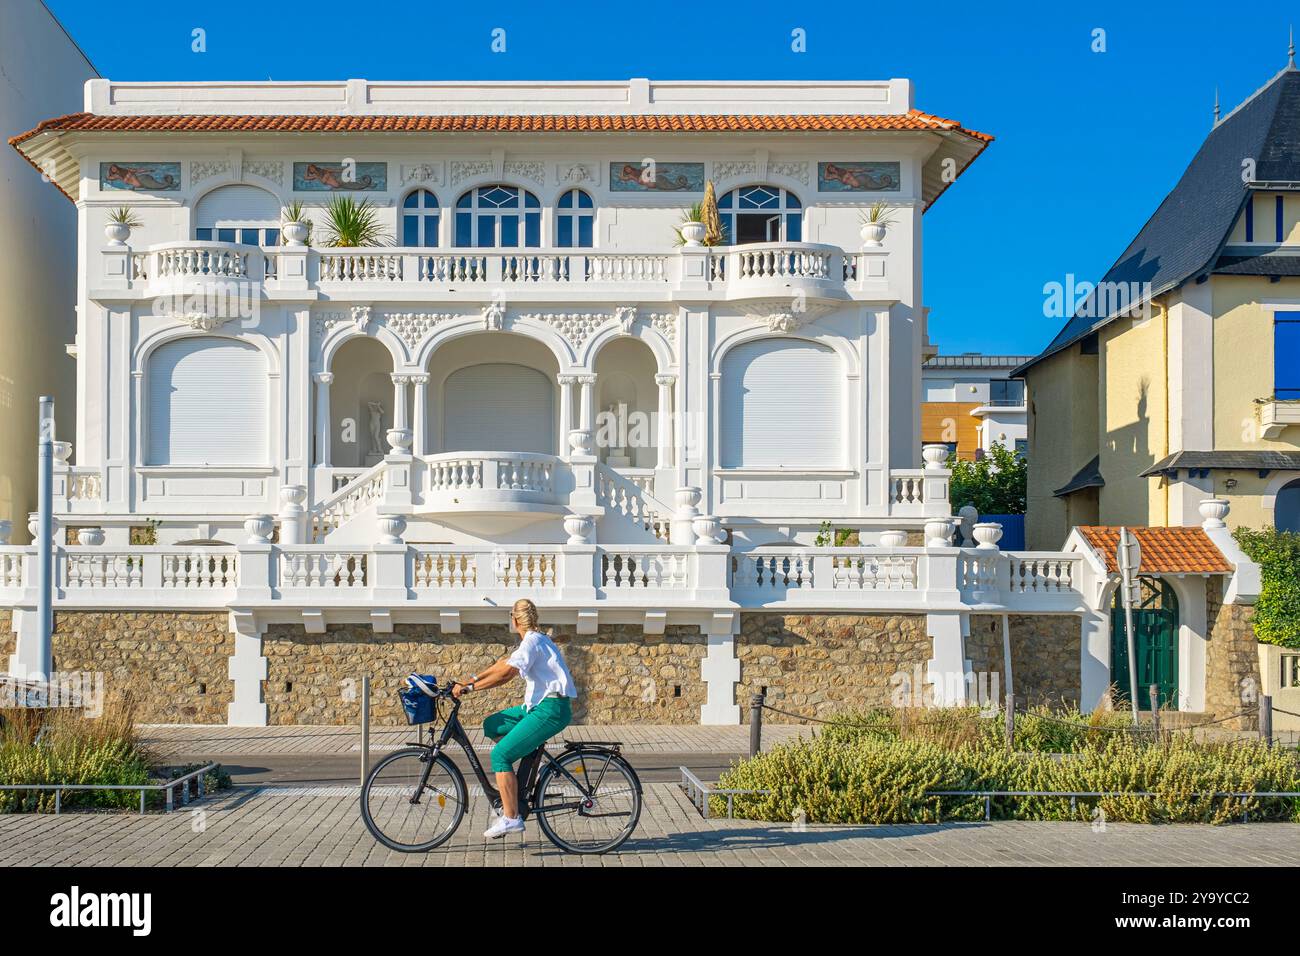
404, 815
592, 805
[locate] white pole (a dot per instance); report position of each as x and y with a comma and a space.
1126, 575
1006, 652
45, 538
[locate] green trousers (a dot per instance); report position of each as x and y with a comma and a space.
518, 732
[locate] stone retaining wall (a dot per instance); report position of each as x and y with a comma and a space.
8, 640
623, 675
1045, 657
818, 665
1232, 680
173, 663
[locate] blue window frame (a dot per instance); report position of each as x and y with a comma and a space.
1250, 217
489, 218
1286, 355
420, 214
761, 214
247, 235
575, 220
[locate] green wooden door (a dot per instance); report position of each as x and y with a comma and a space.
1155, 628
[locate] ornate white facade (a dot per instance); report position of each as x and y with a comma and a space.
570, 406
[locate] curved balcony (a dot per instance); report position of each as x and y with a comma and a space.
512, 487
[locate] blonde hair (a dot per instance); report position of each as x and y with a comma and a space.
524, 612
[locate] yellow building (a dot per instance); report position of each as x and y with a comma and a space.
1178, 377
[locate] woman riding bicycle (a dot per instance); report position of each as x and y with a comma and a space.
546, 711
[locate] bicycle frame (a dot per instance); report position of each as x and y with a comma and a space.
528, 773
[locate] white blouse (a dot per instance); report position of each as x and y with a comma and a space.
543, 668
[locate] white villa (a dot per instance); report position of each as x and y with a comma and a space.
537, 381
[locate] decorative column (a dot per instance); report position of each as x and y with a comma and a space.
587, 403
566, 410
421, 415
324, 427
665, 437
399, 434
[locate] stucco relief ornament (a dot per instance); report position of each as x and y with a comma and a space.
494, 317
201, 170
791, 170
530, 169
626, 317
411, 327
267, 169
465, 169
422, 173
202, 321
783, 316
575, 173
729, 169
576, 327
361, 318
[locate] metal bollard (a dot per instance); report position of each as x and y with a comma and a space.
756, 724
365, 728
1266, 719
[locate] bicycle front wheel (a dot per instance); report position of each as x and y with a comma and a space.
590, 802
413, 802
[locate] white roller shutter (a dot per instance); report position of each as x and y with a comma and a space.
242, 205
498, 407
782, 406
207, 403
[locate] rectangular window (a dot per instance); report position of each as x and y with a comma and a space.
509, 232
410, 231
464, 229
487, 231
584, 232
1286, 355
532, 229
1250, 218
564, 232
249, 237
203, 235
1279, 219
272, 237
430, 230
225, 235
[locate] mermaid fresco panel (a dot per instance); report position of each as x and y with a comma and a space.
634, 177
858, 177
340, 177
140, 177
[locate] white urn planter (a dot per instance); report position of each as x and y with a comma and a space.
934, 456
259, 528
579, 528
937, 532
1213, 511
391, 528
292, 496
400, 440
62, 451
295, 233
90, 537
580, 442
893, 539
693, 233
707, 530
687, 499
33, 525
873, 234
987, 535
117, 233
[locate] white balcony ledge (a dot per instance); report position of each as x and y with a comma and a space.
1275, 417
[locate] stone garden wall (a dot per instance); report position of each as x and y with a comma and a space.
1045, 656
1232, 680
173, 663
8, 640
818, 665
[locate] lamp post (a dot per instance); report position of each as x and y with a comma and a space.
45, 537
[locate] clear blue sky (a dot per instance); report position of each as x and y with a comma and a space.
1087, 143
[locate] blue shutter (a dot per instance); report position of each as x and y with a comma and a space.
1286, 355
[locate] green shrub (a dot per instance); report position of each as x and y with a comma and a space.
863, 777
1277, 612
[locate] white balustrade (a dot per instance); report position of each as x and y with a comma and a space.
84, 484
363, 492
525, 569
826, 569
199, 259
200, 569
105, 569
1042, 573
361, 265
444, 570
873, 572
631, 497
11, 569
491, 478
452, 268
641, 569
766, 261
629, 267
323, 568
906, 490
455, 474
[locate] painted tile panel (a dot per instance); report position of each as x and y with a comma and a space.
858, 177
141, 177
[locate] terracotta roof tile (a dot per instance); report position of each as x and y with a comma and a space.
634, 123
1164, 550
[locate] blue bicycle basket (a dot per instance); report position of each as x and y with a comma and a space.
417, 698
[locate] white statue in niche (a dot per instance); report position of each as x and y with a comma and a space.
376, 428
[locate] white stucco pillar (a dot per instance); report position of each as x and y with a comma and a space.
566, 411
324, 426
399, 400
421, 413
665, 437
587, 403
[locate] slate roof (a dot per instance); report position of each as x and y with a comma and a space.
1183, 238
1089, 476
1227, 460
1164, 550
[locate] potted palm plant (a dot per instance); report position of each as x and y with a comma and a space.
693, 230
352, 223
296, 226
120, 223
876, 219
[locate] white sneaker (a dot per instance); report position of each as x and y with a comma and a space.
502, 826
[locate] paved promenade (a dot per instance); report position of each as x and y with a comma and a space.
320, 826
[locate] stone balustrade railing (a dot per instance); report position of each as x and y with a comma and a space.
730, 271
658, 575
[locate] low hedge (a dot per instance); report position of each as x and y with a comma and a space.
870, 778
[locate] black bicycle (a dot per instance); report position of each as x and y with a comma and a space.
586, 800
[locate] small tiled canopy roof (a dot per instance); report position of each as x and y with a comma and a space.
1164, 550
39, 146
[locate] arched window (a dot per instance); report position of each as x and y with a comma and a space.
761, 214
781, 405
420, 219
575, 219
1286, 513
207, 403
238, 213
498, 217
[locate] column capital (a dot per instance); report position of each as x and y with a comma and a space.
666, 379
400, 378
587, 378
324, 378
418, 378
567, 379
